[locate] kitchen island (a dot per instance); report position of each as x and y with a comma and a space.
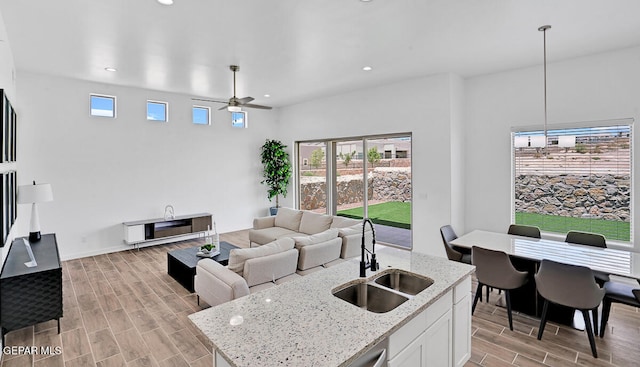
301, 323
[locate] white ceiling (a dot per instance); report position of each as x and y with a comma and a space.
297, 50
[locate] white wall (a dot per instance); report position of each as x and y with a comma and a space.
598, 87
106, 171
420, 106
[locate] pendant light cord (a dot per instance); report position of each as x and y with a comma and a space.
543, 29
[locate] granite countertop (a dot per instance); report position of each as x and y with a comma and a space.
301, 323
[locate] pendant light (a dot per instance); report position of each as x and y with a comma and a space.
544, 29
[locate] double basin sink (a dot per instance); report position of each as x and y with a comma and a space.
385, 292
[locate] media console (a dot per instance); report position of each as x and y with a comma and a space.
162, 230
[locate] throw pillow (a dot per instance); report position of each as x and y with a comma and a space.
288, 218
237, 257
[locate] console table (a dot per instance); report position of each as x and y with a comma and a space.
31, 295
167, 230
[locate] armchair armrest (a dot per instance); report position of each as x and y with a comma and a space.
319, 253
264, 222
270, 268
216, 284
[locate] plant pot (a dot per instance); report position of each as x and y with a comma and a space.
273, 210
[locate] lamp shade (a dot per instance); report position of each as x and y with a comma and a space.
36, 193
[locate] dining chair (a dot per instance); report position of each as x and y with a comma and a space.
494, 269
522, 230
454, 254
594, 240
617, 292
571, 286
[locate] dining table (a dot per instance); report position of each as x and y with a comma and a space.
526, 253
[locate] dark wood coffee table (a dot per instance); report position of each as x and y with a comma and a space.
181, 264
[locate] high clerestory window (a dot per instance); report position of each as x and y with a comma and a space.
580, 181
157, 111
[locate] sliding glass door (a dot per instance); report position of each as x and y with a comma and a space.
367, 177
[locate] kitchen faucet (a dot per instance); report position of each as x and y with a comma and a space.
373, 265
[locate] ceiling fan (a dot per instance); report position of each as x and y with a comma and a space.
234, 103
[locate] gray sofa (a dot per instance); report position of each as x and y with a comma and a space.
298, 223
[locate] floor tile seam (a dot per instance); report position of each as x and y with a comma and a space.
170, 341
526, 346
93, 354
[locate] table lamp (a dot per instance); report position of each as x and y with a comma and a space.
33, 194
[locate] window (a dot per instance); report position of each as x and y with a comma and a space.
580, 181
157, 111
352, 177
239, 119
103, 106
201, 115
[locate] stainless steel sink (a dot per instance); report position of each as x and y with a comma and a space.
371, 297
404, 282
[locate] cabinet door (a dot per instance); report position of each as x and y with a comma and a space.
462, 331
411, 356
437, 342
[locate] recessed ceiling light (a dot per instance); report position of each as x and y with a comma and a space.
365, 1
367, 68
110, 69
166, 2
267, 95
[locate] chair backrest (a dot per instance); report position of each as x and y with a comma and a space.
448, 235
494, 268
586, 238
569, 285
526, 231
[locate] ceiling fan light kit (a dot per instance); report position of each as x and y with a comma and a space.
234, 104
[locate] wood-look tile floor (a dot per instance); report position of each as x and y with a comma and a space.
123, 309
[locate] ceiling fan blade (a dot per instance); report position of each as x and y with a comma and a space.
223, 107
210, 100
245, 100
257, 106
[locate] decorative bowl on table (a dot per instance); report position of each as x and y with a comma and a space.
208, 251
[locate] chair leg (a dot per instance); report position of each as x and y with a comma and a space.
543, 320
594, 314
587, 325
478, 295
488, 290
606, 308
507, 297
198, 299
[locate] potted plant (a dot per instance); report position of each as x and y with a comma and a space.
277, 170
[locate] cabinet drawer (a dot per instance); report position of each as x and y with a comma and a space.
462, 290
407, 333
439, 308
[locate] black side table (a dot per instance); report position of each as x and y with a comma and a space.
29, 296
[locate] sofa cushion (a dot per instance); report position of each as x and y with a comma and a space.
341, 222
266, 235
355, 229
313, 239
312, 223
237, 257
288, 218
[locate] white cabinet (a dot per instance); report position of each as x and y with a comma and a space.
437, 341
439, 336
462, 322
426, 339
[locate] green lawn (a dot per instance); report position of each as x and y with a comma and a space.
392, 213
612, 230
